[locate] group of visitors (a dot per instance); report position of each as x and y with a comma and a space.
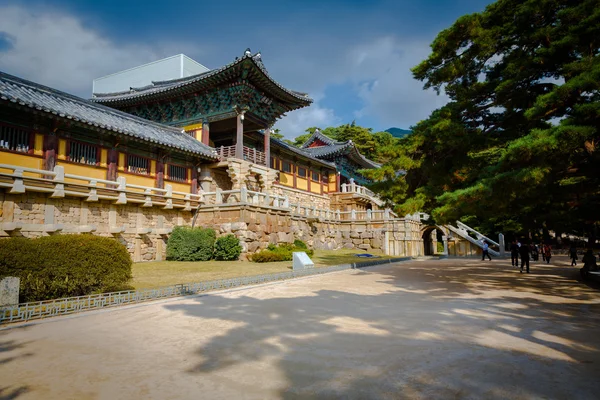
522, 250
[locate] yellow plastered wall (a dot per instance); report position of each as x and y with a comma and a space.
179, 187
332, 182
121, 162
196, 129
153, 168
82, 170
138, 180
315, 187
38, 147
62, 149
104, 158
301, 183
286, 179
21, 160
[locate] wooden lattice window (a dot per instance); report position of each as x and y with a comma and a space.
315, 176
302, 172
325, 177
177, 173
287, 167
138, 165
83, 153
15, 139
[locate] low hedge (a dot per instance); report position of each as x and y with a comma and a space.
281, 252
65, 265
191, 244
227, 248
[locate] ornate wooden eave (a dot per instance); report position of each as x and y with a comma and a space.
210, 95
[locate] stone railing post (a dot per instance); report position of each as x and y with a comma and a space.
337, 215
218, 196
18, 185
169, 197
344, 188
353, 214
386, 213
122, 186
286, 202
243, 195
59, 182
369, 214
267, 200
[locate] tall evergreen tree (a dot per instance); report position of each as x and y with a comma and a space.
518, 140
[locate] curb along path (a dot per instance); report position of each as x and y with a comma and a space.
51, 308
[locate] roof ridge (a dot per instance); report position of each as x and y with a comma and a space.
19, 90
163, 86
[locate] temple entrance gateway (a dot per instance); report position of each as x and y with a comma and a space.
435, 241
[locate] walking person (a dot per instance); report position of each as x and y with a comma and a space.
486, 248
573, 254
543, 249
514, 254
524, 251
548, 253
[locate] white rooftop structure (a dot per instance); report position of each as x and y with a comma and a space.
179, 66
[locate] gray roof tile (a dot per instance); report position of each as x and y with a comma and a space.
51, 101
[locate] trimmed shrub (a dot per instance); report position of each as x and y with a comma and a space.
227, 248
187, 244
65, 265
299, 244
281, 252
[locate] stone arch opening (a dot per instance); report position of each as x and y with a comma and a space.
434, 241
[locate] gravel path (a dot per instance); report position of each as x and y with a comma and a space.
434, 329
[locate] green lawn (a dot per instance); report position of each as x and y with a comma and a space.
165, 273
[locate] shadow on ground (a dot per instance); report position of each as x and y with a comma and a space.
415, 330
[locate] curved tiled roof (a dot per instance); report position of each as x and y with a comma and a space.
159, 87
317, 135
333, 147
64, 105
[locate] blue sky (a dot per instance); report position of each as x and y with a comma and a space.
352, 57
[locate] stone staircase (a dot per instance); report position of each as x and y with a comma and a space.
465, 231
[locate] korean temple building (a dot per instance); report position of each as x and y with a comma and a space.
197, 149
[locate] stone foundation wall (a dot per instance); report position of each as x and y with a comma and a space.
257, 227
302, 197
144, 230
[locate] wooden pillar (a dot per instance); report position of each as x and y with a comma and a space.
239, 138
194, 189
268, 147
338, 181
50, 151
205, 132
113, 159
160, 173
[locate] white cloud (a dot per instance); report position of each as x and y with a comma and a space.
57, 50
295, 122
381, 73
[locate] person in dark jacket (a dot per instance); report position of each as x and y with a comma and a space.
573, 254
514, 254
524, 253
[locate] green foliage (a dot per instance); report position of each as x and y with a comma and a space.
299, 244
187, 244
65, 265
227, 248
517, 145
281, 252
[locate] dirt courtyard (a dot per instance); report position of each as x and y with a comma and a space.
433, 329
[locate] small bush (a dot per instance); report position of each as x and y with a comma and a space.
281, 252
65, 265
187, 244
299, 244
227, 248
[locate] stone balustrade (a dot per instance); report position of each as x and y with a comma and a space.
19, 180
